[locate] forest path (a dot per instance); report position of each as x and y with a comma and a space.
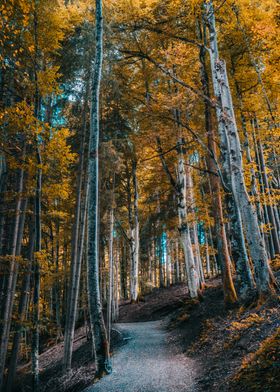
149, 362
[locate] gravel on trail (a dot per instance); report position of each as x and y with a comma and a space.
149, 362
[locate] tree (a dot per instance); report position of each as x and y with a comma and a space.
98, 330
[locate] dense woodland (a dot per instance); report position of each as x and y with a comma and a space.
139, 148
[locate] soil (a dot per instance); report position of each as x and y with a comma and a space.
154, 306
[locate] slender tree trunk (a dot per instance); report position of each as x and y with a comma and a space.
134, 237
177, 263
184, 230
207, 256
111, 275
168, 263
3, 185
267, 194
180, 188
95, 307
193, 226
77, 251
10, 287
115, 314
35, 330
36, 289
21, 313
161, 273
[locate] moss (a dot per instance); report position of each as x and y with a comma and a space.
261, 371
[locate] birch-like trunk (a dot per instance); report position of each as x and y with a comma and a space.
230, 139
98, 329
115, 310
183, 227
184, 230
177, 263
207, 257
238, 243
193, 225
76, 252
155, 261
111, 276
168, 262
134, 239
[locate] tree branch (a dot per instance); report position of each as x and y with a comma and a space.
165, 167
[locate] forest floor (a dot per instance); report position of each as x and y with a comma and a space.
236, 349
223, 349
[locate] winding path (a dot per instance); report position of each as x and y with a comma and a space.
148, 363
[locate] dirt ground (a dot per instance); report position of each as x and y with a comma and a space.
237, 349
225, 341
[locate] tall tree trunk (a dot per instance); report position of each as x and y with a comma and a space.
177, 263
168, 262
36, 280
3, 185
21, 312
184, 230
254, 63
254, 188
76, 251
238, 242
111, 275
161, 272
217, 208
193, 225
115, 313
180, 188
99, 333
11, 283
134, 237
38, 229
267, 194
230, 142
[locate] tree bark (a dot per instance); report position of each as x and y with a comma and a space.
95, 307
184, 230
111, 274
134, 235
230, 139
21, 313
11, 283
77, 250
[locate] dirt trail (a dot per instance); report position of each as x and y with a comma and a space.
149, 362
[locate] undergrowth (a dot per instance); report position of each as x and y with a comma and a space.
260, 371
